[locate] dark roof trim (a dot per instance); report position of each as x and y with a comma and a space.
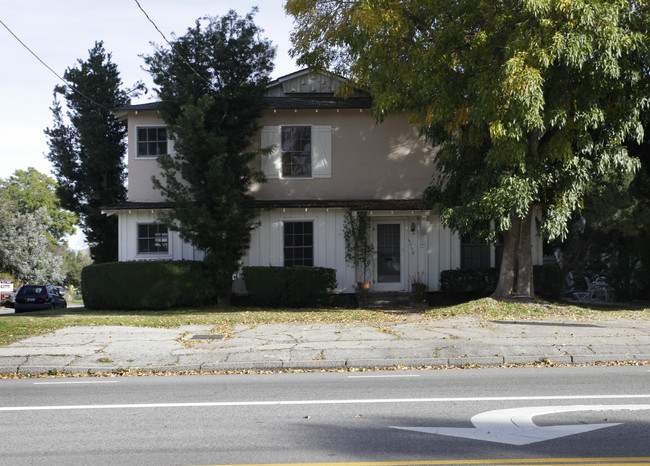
369, 204
130, 205
327, 101
138, 107
321, 102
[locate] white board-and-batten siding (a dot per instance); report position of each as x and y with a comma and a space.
424, 251
427, 249
128, 239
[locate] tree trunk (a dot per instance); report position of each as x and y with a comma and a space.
525, 286
506, 284
516, 273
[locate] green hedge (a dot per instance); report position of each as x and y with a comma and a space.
298, 286
144, 285
474, 281
546, 278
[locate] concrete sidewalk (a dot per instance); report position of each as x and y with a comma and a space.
455, 341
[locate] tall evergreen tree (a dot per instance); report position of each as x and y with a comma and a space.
530, 101
88, 153
211, 84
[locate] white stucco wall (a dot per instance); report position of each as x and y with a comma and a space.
369, 160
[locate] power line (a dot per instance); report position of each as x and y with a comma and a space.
173, 49
51, 70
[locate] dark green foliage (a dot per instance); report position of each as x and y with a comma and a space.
299, 286
88, 154
144, 285
608, 238
476, 281
73, 264
211, 110
548, 281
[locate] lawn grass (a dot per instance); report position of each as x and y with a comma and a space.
14, 327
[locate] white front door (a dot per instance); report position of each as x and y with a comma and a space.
390, 267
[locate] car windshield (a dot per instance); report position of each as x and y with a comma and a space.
31, 290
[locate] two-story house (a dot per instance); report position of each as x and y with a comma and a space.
329, 155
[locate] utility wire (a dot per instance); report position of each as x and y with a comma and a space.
174, 50
53, 72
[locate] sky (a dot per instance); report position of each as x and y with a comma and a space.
60, 32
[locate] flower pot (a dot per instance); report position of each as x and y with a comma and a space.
363, 287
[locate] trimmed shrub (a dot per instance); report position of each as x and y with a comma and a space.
299, 286
470, 281
482, 282
150, 285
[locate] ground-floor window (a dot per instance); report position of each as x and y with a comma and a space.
152, 238
474, 253
298, 243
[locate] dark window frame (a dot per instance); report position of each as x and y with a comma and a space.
298, 247
474, 253
153, 238
296, 148
151, 141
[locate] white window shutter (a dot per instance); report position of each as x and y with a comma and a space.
322, 151
170, 147
272, 162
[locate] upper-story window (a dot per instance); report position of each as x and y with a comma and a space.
151, 141
296, 151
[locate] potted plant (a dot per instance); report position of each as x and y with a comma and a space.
359, 250
418, 285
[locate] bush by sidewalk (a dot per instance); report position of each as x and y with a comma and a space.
482, 282
144, 285
299, 286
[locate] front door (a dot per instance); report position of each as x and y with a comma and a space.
389, 274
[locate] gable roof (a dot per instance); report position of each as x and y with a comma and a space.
302, 89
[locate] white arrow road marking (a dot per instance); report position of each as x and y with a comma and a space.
515, 426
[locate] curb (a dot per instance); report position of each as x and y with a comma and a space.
325, 365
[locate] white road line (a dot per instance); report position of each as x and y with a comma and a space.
314, 402
380, 376
77, 382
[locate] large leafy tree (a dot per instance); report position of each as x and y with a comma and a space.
25, 247
87, 150
211, 83
608, 235
29, 190
530, 101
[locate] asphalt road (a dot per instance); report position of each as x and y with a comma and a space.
583, 413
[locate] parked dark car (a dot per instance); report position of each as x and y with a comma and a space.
38, 297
